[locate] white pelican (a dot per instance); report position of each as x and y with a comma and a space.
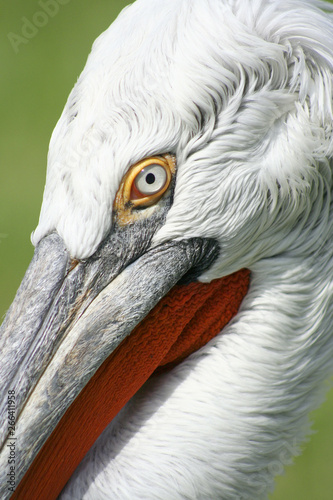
226, 106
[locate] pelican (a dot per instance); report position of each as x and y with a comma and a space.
176, 316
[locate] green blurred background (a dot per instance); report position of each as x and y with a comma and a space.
34, 85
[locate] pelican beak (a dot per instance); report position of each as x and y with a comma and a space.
68, 317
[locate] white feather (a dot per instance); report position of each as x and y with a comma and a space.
241, 92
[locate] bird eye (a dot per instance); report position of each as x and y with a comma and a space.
147, 181
150, 180
143, 186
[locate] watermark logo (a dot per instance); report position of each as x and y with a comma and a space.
288, 451
276, 467
11, 445
30, 27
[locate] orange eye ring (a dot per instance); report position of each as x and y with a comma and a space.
146, 182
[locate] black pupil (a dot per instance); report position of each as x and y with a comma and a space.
150, 178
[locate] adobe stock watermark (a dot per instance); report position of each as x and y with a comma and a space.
276, 467
11, 444
90, 141
30, 27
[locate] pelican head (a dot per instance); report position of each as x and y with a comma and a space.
188, 192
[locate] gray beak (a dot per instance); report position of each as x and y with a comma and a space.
69, 316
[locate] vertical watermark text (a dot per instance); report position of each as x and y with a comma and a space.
11, 444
